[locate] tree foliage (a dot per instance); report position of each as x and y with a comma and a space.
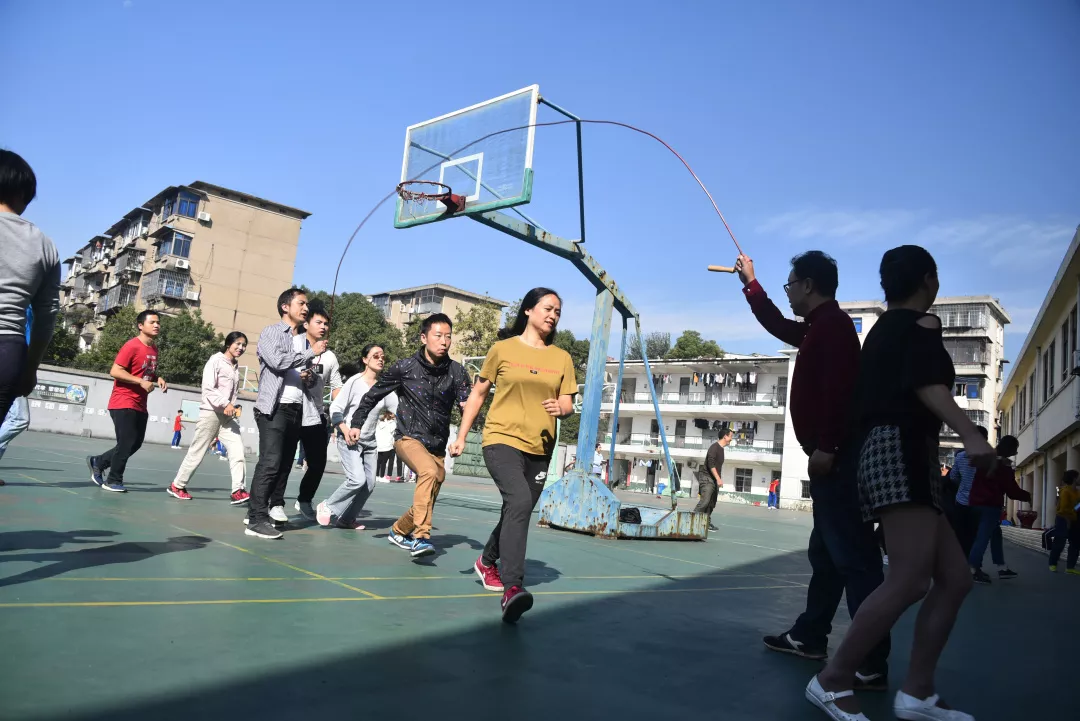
355, 324
118, 330
657, 345
476, 331
185, 344
510, 314
63, 348
691, 346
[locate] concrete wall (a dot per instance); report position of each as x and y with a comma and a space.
83, 412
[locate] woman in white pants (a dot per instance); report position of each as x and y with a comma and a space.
356, 446
217, 419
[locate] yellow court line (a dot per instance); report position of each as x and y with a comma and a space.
624, 592
286, 565
469, 578
45, 483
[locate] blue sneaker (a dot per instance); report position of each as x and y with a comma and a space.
421, 547
114, 487
401, 541
95, 472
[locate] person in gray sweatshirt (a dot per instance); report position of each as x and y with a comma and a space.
29, 277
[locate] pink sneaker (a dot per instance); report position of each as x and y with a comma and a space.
239, 497
322, 514
515, 602
354, 526
489, 575
180, 493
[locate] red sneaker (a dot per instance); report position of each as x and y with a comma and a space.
515, 602
180, 493
489, 575
239, 497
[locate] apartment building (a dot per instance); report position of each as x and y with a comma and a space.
973, 328
198, 246
399, 307
1040, 404
697, 398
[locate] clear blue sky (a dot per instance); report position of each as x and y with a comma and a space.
845, 126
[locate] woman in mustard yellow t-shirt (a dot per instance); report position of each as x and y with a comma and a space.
534, 383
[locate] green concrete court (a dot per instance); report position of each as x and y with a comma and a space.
140, 606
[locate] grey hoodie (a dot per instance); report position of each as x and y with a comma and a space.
29, 276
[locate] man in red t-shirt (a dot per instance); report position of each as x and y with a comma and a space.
135, 374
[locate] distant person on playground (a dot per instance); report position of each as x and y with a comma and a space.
135, 375
384, 444
905, 393
29, 279
843, 551
279, 411
357, 447
985, 499
218, 424
1066, 527
428, 385
774, 494
178, 426
709, 489
535, 384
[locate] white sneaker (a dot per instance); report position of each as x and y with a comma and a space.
885, 560
277, 513
910, 708
824, 700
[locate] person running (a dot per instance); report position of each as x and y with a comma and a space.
985, 498
904, 392
534, 384
1066, 527
428, 384
279, 410
357, 447
709, 490
843, 553
314, 435
29, 279
178, 426
217, 423
774, 494
384, 445
135, 375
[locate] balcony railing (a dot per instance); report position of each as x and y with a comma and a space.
979, 418
164, 284
119, 296
649, 440
132, 262
697, 398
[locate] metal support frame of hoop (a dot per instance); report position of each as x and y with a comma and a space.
580, 501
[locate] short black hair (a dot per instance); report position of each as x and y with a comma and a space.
903, 271
433, 319
287, 297
725, 432
316, 308
983, 432
1008, 446
819, 267
1071, 476
144, 315
18, 184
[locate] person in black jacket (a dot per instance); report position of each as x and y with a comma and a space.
428, 384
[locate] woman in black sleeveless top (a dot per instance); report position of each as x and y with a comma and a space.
904, 393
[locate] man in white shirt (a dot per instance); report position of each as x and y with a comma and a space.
314, 434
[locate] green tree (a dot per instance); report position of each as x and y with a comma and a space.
185, 344
118, 330
476, 331
657, 345
578, 350
510, 314
691, 346
63, 347
356, 323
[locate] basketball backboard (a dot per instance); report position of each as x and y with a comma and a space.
467, 151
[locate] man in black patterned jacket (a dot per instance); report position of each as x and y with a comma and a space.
428, 384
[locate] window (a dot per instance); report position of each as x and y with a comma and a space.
1021, 401
778, 437
167, 208
966, 351
744, 478
382, 302
805, 490
179, 245
781, 391
858, 324
1072, 336
1031, 396
1065, 351
1048, 371
974, 390
187, 204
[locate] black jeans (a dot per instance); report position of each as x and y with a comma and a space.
313, 439
278, 435
965, 524
386, 464
12, 366
130, 426
707, 493
520, 478
844, 556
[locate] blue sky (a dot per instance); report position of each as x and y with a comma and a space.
845, 126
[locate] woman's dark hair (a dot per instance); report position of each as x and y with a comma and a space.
903, 271
348, 370
366, 350
232, 338
529, 302
1008, 446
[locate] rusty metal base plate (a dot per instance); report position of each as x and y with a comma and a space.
581, 502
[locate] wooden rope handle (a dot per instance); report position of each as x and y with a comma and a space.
720, 269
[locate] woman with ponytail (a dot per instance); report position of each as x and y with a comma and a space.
534, 384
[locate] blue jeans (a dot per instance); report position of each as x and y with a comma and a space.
16, 421
989, 532
176, 438
1065, 531
773, 500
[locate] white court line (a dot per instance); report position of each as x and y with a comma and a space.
472, 498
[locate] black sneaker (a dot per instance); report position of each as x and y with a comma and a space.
786, 644
981, 576
713, 528
95, 472
1006, 574
262, 530
869, 681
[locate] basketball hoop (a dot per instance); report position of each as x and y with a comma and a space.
415, 194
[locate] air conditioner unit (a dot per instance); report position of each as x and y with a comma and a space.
204, 217
192, 295
182, 264
1076, 363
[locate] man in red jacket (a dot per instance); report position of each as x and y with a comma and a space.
985, 500
843, 551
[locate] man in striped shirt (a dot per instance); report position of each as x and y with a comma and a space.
279, 410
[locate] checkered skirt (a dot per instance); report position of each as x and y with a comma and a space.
897, 467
